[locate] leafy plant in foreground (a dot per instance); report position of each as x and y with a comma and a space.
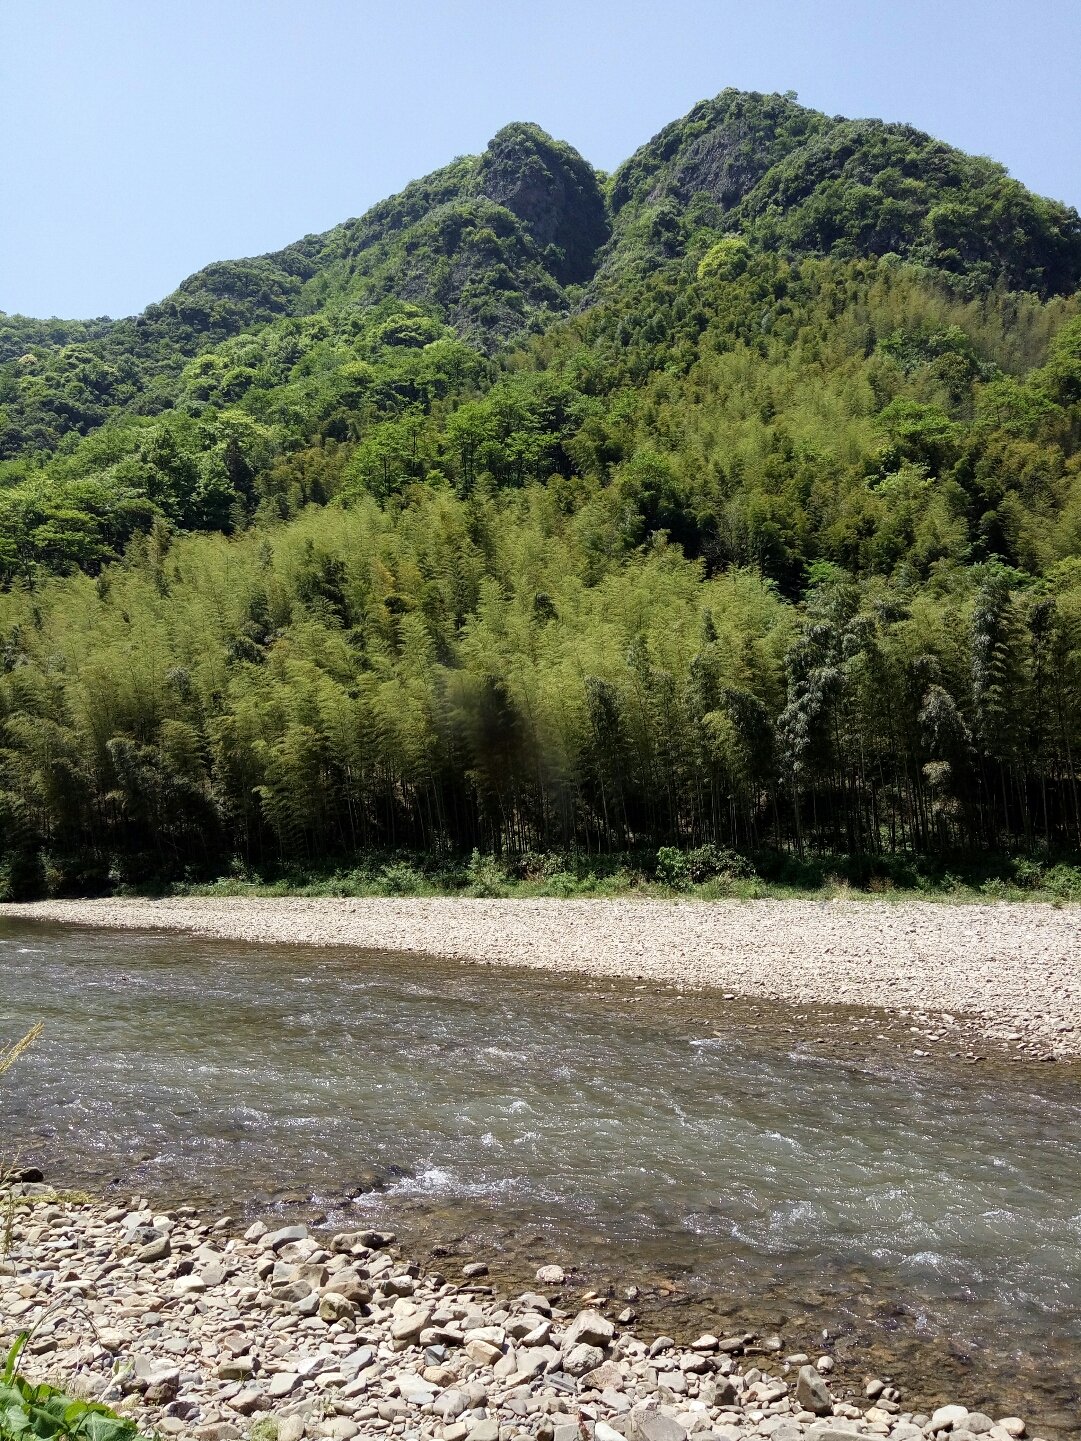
45, 1412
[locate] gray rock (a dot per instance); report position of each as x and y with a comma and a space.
283, 1384
582, 1358
651, 1425
608, 1375
416, 1390
450, 1403
485, 1431
249, 1400
551, 1275
334, 1307
237, 1368
947, 1417
154, 1251
275, 1240
591, 1328
603, 1432
408, 1325
291, 1291
719, 1391
812, 1393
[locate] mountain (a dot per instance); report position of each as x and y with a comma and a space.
733, 498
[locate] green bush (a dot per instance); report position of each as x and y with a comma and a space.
400, 879
679, 869
487, 877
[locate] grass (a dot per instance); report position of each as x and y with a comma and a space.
705, 873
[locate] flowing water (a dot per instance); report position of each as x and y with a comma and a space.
744, 1167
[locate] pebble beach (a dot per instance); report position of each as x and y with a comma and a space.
195, 1328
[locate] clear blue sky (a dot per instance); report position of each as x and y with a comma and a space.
144, 138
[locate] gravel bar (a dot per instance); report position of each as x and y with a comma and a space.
202, 1334
1013, 970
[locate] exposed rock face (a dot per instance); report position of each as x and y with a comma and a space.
553, 191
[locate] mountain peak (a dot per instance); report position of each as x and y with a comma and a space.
552, 190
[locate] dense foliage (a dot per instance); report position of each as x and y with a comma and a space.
736, 500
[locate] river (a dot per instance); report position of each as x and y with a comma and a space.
802, 1172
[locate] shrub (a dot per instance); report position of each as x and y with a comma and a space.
678, 869
400, 879
487, 878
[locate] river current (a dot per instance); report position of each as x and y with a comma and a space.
744, 1169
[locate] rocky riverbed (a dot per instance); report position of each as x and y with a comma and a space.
1011, 971
193, 1327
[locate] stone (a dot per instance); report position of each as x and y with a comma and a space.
607, 1376
217, 1431
484, 1430
154, 1251
376, 1240
720, 1391
353, 1288
290, 1428
824, 1365
947, 1417
340, 1428
603, 1432
582, 1358
249, 1400
812, 1393
485, 1353
334, 1307
282, 1384
450, 1403
591, 1328
652, 1425
188, 1285
1012, 1425
407, 1325
551, 1275
291, 1291
237, 1368
275, 1240
474, 1269
536, 1361
415, 1391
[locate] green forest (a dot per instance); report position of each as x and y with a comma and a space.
726, 507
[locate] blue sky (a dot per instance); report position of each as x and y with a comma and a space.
145, 138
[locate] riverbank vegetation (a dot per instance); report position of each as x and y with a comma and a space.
704, 873
730, 502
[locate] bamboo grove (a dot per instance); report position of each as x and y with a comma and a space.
758, 550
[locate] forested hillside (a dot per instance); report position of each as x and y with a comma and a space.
731, 500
